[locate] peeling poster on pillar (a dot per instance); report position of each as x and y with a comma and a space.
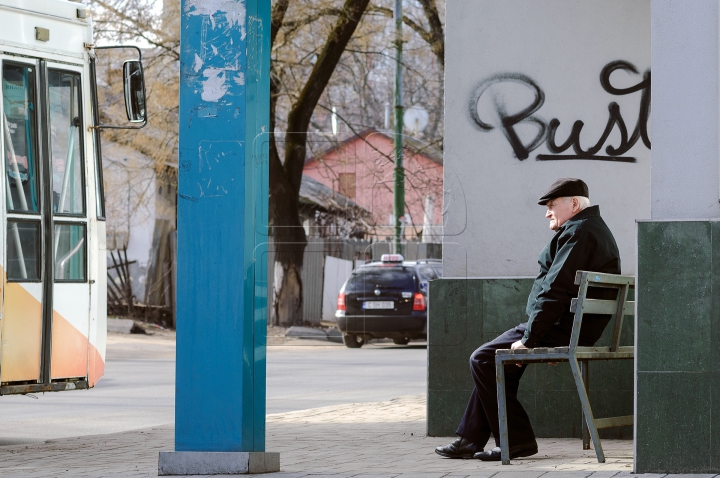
217, 72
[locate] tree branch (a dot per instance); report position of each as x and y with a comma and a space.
302, 110
276, 18
436, 29
434, 37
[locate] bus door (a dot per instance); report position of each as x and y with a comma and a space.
45, 320
23, 286
71, 291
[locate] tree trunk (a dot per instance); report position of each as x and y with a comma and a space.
289, 240
436, 30
287, 291
286, 176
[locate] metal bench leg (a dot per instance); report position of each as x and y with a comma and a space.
502, 412
584, 366
587, 411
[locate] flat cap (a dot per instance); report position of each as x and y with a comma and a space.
565, 187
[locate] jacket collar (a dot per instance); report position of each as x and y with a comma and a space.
592, 211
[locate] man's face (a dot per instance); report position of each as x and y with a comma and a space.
560, 210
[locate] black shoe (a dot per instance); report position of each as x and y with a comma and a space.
517, 451
460, 448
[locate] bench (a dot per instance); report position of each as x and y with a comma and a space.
578, 357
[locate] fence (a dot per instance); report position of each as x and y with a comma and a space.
358, 251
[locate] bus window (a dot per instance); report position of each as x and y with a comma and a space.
66, 143
19, 130
23, 243
70, 252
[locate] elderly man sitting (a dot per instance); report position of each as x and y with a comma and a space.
582, 241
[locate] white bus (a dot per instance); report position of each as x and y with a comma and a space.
53, 303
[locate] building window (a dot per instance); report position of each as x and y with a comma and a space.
347, 185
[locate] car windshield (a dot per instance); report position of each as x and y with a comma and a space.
400, 278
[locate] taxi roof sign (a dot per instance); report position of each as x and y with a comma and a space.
392, 258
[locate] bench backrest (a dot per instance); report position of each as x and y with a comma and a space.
618, 308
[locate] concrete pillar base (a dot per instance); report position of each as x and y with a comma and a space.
172, 463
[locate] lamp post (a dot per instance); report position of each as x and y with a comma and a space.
399, 173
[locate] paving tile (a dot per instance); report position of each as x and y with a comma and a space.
567, 474
371, 475
519, 474
629, 474
342, 442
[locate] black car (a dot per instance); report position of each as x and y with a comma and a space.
386, 299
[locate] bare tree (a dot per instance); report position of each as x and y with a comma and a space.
286, 176
325, 53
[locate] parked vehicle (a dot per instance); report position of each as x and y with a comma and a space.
386, 299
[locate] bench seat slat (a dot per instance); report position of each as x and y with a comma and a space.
613, 422
597, 306
543, 354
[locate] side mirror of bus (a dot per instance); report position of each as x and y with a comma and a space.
118, 82
134, 85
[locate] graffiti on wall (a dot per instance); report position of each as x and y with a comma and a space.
509, 121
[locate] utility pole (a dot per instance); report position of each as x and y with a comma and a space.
399, 173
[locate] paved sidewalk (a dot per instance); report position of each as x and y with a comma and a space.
384, 439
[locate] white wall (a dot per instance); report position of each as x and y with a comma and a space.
685, 105
493, 224
130, 206
337, 272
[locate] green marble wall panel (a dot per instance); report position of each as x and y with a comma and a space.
678, 327
675, 275
674, 412
715, 421
444, 407
464, 314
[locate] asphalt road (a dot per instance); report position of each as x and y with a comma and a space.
138, 388
301, 377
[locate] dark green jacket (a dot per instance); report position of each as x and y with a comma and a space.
585, 243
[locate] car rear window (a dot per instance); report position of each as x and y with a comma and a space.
401, 278
430, 272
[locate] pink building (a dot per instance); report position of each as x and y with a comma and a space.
361, 168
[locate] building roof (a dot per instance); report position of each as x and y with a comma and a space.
315, 193
412, 145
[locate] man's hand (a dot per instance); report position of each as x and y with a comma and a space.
515, 346
519, 345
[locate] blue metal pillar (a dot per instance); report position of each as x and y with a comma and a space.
222, 224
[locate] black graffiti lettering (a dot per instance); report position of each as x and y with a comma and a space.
547, 133
615, 118
509, 121
644, 86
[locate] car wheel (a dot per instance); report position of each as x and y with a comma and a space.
402, 341
353, 341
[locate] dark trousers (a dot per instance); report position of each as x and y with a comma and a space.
481, 415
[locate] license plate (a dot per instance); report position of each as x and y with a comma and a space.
379, 304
